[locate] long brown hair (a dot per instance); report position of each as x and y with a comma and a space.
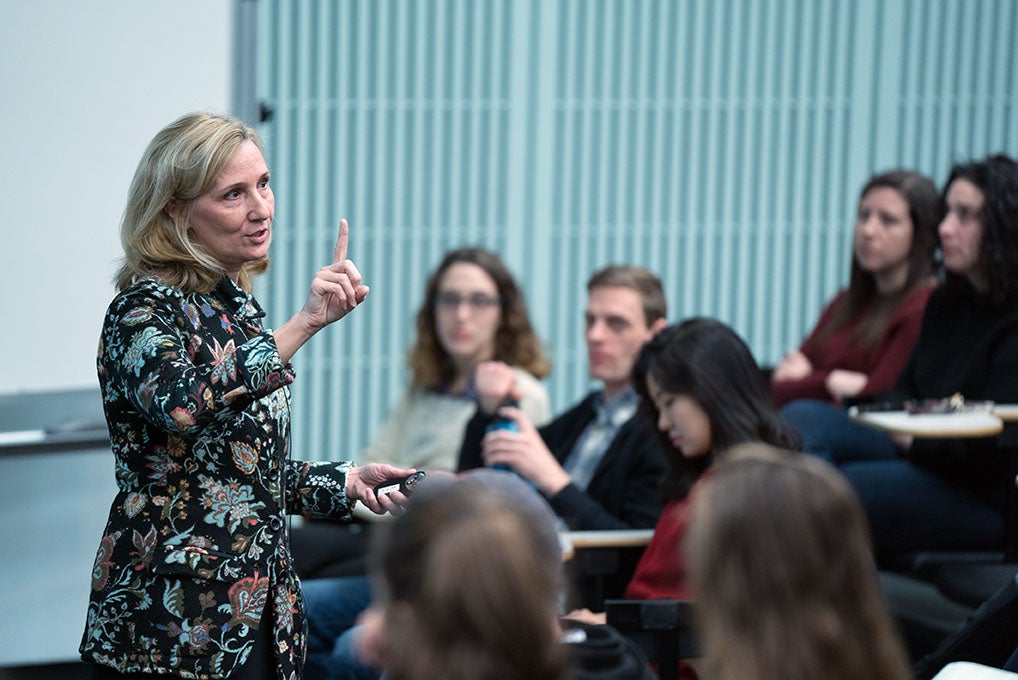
782, 575
180, 164
469, 581
925, 209
516, 343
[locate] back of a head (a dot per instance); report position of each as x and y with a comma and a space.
781, 570
470, 574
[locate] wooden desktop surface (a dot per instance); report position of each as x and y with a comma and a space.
935, 425
628, 538
1006, 412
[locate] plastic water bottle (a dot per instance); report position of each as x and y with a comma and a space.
502, 424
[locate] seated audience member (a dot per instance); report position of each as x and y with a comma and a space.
598, 466
782, 576
472, 311
706, 394
943, 494
866, 333
467, 583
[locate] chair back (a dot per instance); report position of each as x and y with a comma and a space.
663, 629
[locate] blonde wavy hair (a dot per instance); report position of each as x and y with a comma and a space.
179, 165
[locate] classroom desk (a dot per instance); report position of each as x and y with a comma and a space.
571, 541
932, 425
629, 538
967, 670
976, 423
1006, 412
603, 561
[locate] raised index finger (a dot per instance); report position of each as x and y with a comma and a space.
339, 254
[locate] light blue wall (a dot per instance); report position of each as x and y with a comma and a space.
722, 144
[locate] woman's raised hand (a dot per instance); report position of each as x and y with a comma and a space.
337, 288
335, 291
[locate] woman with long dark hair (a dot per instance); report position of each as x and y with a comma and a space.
699, 383
866, 333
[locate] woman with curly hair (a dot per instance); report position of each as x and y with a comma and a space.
472, 311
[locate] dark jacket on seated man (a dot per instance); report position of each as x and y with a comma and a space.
624, 492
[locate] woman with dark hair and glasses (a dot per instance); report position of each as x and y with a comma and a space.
472, 311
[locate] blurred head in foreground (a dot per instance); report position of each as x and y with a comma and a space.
782, 574
469, 576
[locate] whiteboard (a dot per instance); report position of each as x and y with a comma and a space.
85, 86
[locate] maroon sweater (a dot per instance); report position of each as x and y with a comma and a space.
882, 364
661, 571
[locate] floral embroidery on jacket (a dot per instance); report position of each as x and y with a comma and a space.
195, 552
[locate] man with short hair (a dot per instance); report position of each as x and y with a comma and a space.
598, 465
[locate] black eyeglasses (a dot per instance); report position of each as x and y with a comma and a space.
475, 301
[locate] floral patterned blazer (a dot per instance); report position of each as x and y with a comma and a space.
195, 553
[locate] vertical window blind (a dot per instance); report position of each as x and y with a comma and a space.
721, 144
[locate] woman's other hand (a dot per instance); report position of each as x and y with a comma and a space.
336, 289
495, 382
586, 616
369, 643
842, 384
795, 366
